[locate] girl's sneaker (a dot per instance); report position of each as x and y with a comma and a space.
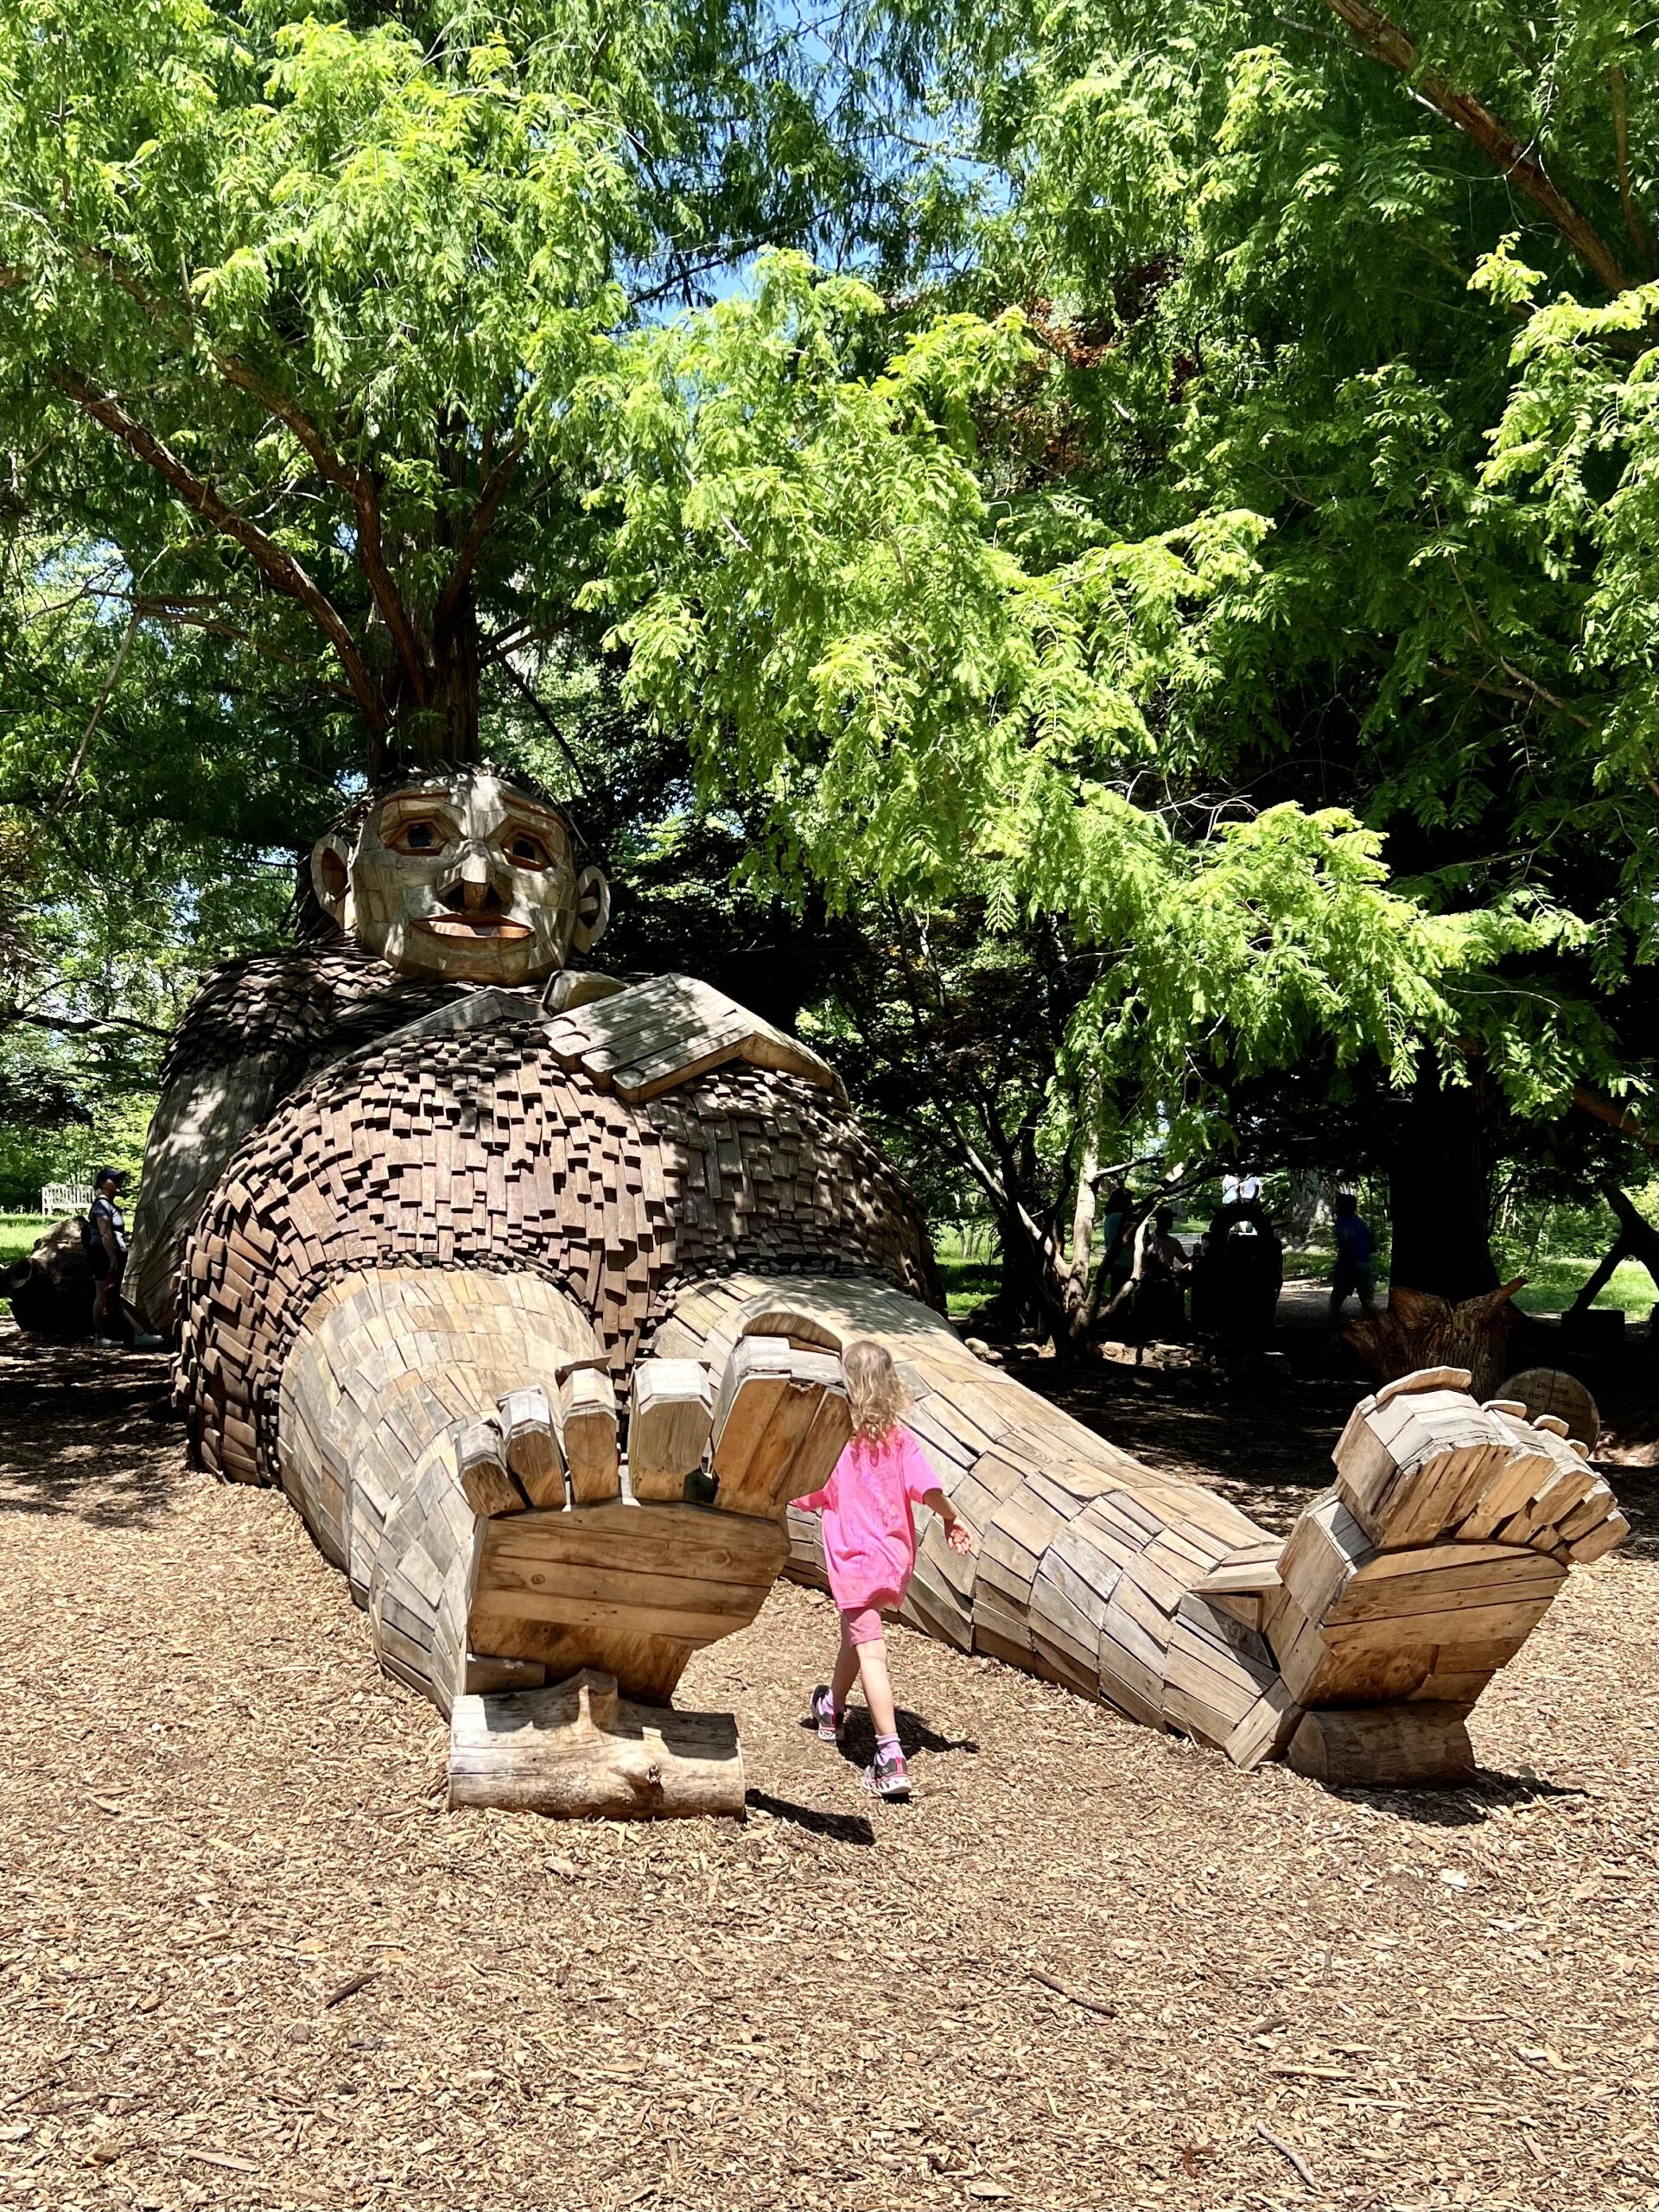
886, 1776
831, 1725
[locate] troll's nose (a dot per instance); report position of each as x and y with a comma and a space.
472, 891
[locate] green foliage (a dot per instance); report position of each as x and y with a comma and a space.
1181, 581
810, 580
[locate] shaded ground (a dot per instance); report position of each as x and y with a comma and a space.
216, 1817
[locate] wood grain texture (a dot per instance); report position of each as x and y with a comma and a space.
578, 1751
1421, 1743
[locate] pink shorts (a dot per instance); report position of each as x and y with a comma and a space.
861, 1624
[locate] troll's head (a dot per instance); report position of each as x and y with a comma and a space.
461, 872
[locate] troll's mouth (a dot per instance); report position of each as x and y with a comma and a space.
496, 928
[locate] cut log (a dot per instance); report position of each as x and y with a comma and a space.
585, 1414
532, 1447
485, 1676
1551, 1390
577, 1750
481, 1465
670, 1414
1383, 1746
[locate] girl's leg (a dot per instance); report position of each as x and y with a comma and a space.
840, 1682
872, 1660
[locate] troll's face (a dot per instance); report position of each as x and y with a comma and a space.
462, 874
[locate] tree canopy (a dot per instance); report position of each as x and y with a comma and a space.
1171, 478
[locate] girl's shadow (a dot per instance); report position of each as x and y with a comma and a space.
858, 1745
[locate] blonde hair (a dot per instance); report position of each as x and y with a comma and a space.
874, 1390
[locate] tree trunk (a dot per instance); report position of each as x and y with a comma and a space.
1440, 1192
1019, 1293
1310, 1192
439, 728
1078, 1304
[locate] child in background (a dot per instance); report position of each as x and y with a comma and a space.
869, 1550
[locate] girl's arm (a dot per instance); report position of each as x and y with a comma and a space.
958, 1533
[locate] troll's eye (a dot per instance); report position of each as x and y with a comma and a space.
418, 837
527, 850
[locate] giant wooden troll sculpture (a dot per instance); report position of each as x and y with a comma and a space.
443, 1221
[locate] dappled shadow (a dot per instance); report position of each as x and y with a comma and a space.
835, 1827
84, 1432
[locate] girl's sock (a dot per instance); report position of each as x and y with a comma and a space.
887, 1747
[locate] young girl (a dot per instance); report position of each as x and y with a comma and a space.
869, 1549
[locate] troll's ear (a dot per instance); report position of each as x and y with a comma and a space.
331, 879
593, 908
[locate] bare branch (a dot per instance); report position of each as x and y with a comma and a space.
116, 667
1386, 43
548, 723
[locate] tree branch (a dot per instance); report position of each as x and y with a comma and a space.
116, 667
280, 567
1386, 43
358, 485
547, 723
1641, 237
1617, 1117
360, 489
189, 617
78, 1025
490, 497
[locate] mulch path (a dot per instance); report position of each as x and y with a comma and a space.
245, 1960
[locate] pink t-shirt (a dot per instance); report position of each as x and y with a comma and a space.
870, 1531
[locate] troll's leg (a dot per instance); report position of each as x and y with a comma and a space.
1397, 1596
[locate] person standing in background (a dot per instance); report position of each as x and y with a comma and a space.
105, 1238
1356, 1249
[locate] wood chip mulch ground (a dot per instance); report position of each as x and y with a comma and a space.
245, 1959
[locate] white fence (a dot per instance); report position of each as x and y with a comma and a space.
66, 1197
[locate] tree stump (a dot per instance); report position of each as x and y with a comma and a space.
1417, 1330
1552, 1390
577, 1750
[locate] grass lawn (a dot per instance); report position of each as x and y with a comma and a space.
1552, 1285
967, 1282
20, 1233
971, 1277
